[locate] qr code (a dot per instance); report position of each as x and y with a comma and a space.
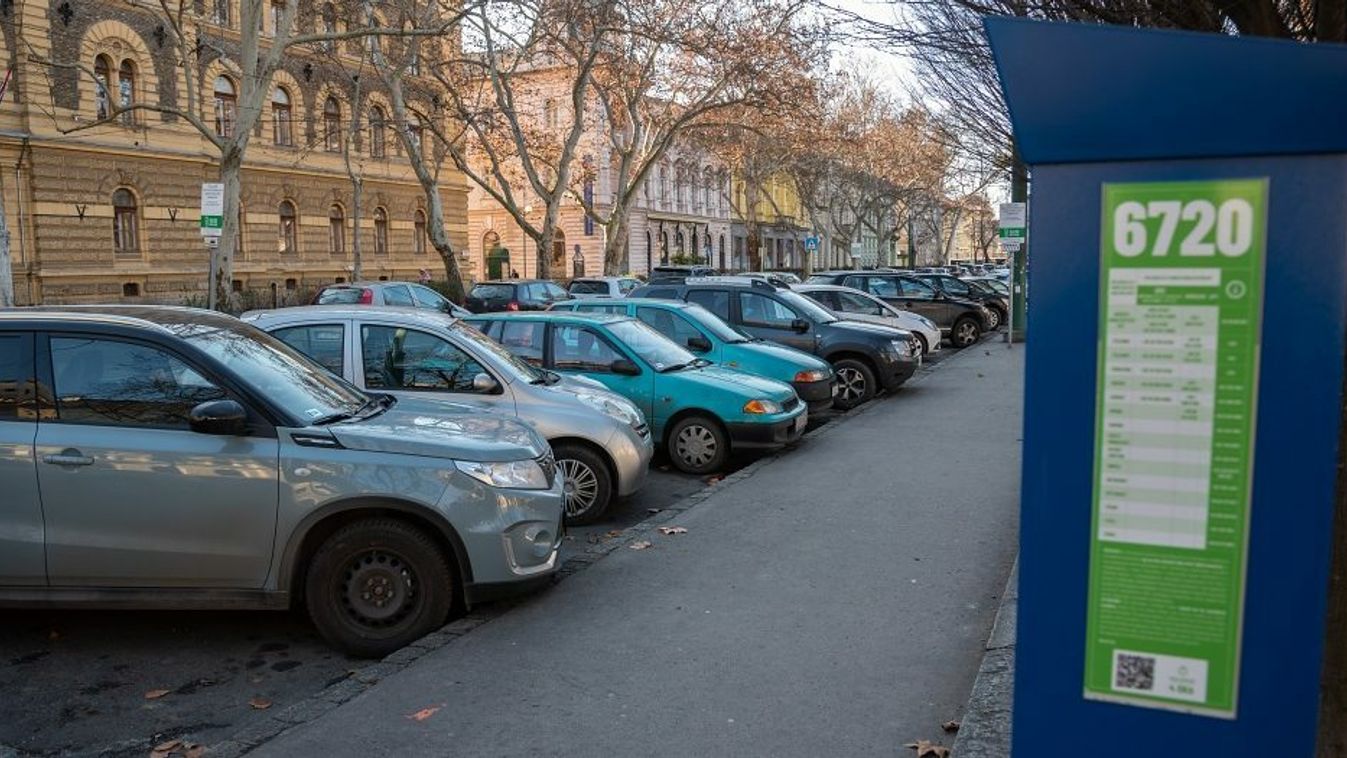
1134, 672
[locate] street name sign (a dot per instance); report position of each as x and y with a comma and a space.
1180, 309
212, 209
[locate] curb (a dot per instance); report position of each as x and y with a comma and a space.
362, 679
986, 726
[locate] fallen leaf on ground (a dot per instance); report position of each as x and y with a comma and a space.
155, 694
673, 530
194, 751
164, 748
259, 704
950, 726
424, 713
613, 533
641, 545
714, 480
653, 510
928, 749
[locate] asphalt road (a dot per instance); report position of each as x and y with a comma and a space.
77, 681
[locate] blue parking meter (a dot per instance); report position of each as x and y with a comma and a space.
1189, 230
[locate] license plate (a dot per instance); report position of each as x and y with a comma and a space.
799, 422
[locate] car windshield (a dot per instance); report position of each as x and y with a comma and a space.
819, 279
588, 287
522, 369
492, 291
712, 323
339, 296
999, 288
812, 310
662, 353
283, 375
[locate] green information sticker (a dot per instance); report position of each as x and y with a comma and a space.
1181, 302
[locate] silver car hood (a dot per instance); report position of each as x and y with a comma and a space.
439, 429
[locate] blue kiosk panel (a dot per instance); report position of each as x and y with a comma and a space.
1072, 141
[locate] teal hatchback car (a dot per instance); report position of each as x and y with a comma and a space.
698, 412
703, 333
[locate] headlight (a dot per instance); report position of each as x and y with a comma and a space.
620, 410
519, 475
813, 375
901, 347
762, 406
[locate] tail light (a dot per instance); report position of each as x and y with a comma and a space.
366, 297
513, 305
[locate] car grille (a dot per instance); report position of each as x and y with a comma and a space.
792, 403
548, 463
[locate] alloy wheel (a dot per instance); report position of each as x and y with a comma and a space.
994, 319
852, 385
581, 485
966, 334
696, 445
379, 589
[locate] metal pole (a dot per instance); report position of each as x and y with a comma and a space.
213, 251
1019, 193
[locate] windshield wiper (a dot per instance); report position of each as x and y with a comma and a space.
379, 403
545, 378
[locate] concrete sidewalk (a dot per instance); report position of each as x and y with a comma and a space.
834, 602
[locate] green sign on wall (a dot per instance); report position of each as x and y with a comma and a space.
1181, 293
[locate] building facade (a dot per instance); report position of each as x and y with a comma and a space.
109, 212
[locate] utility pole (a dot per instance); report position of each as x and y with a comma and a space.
1332, 739
1019, 193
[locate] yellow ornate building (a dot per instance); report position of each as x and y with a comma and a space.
110, 213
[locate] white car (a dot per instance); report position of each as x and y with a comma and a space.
854, 305
591, 287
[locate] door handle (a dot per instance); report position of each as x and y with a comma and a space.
68, 457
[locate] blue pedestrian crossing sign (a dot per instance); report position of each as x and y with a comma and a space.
811, 244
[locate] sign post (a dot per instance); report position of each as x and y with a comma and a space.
212, 226
1012, 229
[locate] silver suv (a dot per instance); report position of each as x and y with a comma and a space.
601, 440
170, 457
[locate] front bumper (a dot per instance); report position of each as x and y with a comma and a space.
631, 451
758, 435
817, 396
511, 536
896, 369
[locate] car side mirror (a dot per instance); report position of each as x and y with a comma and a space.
799, 325
699, 344
624, 367
484, 382
224, 417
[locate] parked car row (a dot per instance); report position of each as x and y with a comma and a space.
383, 457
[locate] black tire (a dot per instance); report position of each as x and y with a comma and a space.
396, 564
589, 484
965, 332
857, 383
698, 445
996, 320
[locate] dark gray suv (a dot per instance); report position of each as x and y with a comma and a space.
865, 357
177, 458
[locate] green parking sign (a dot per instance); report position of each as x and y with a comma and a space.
1180, 311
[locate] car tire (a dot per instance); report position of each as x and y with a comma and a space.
921, 340
965, 332
995, 321
698, 445
857, 383
589, 484
376, 585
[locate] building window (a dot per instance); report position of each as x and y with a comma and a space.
125, 223
380, 231
277, 11
372, 42
419, 222
102, 78
331, 125
282, 129
550, 114
126, 91
329, 25
130, 289
377, 136
292, 284
221, 12
226, 107
286, 238
336, 231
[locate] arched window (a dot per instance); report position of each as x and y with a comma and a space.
221, 11
329, 24
709, 199
380, 231
286, 238
126, 90
336, 230
125, 223
282, 118
490, 241
102, 82
226, 106
419, 232
277, 14
331, 125
378, 145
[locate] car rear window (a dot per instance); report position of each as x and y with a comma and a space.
492, 291
582, 287
339, 296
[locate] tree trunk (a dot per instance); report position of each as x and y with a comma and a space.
357, 201
231, 168
439, 239
614, 242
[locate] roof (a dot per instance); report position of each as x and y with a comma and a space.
1081, 93
379, 283
513, 281
566, 315
423, 316
141, 316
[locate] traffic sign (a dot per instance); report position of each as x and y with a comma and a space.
212, 209
1012, 225
811, 244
